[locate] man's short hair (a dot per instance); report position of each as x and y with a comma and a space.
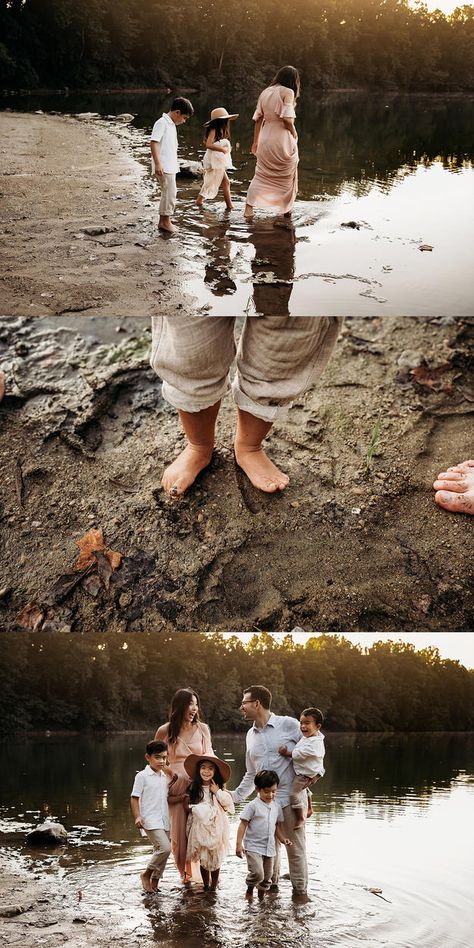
182, 105
260, 693
265, 779
156, 747
315, 714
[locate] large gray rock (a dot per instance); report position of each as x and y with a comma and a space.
47, 834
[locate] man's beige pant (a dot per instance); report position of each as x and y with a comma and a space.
297, 862
168, 195
160, 841
260, 869
277, 357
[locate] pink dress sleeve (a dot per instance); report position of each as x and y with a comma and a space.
258, 114
286, 106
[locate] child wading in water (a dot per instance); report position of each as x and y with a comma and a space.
149, 802
259, 824
207, 803
217, 158
307, 759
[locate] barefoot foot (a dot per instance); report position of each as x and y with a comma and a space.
455, 488
165, 224
185, 468
146, 882
262, 472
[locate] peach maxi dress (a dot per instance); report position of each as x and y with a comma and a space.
199, 743
275, 182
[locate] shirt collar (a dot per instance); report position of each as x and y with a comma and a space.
149, 770
270, 723
167, 118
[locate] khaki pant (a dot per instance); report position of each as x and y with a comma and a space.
278, 358
299, 793
160, 841
168, 195
260, 869
297, 862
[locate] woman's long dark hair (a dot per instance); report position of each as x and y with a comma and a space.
179, 705
221, 127
288, 76
195, 790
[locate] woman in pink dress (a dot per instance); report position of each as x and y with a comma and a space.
275, 181
184, 734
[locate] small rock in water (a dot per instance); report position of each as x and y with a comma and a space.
47, 834
124, 117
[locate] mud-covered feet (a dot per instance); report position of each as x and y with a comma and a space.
262, 472
182, 472
147, 882
455, 488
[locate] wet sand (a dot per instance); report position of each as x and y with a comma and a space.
79, 232
350, 546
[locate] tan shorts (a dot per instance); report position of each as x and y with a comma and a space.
277, 359
168, 195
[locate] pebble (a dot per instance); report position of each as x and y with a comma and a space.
294, 503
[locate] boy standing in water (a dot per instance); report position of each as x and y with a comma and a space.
260, 822
149, 802
164, 161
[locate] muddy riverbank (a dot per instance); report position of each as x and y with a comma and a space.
355, 543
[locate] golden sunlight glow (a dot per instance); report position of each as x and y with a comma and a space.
446, 6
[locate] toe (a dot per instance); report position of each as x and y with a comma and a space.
450, 501
447, 484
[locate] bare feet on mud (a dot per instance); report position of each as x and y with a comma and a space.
146, 882
262, 472
182, 472
248, 213
165, 224
455, 488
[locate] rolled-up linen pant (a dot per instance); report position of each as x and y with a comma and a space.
278, 358
160, 841
168, 195
297, 861
260, 870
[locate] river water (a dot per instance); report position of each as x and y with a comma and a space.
394, 812
399, 167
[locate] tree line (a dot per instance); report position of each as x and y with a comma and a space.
206, 44
62, 681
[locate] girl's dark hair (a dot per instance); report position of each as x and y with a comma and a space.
288, 76
179, 705
221, 127
195, 790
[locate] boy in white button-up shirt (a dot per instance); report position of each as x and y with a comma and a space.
149, 802
259, 824
164, 157
307, 759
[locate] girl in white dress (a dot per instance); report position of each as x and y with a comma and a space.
217, 158
208, 803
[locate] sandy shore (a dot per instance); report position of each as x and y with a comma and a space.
78, 229
345, 548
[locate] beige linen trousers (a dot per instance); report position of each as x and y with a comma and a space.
277, 359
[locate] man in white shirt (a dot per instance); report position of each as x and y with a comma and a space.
149, 802
164, 157
267, 734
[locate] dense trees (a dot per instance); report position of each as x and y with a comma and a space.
197, 43
65, 680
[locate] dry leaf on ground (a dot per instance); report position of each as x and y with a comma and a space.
30, 617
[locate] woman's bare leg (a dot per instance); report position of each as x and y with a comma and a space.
248, 213
251, 457
199, 428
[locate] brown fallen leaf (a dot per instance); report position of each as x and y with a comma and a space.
92, 585
429, 377
92, 541
104, 568
30, 618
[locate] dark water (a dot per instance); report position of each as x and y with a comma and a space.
400, 167
394, 812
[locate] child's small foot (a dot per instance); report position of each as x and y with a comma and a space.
146, 882
248, 213
261, 893
229, 206
183, 471
199, 201
165, 224
249, 892
262, 472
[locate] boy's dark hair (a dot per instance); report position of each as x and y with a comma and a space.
156, 747
315, 714
260, 693
195, 791
182, 105
265, 779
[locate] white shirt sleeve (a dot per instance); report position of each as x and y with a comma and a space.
158, 130
137, 788
246, 785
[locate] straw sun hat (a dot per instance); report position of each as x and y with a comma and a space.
192, 760
221, 114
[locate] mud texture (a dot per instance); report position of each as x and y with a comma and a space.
79, 232
356, 543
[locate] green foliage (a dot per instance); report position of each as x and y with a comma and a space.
62, 681
366, 43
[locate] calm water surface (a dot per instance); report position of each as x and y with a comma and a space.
399, 167
393, 811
